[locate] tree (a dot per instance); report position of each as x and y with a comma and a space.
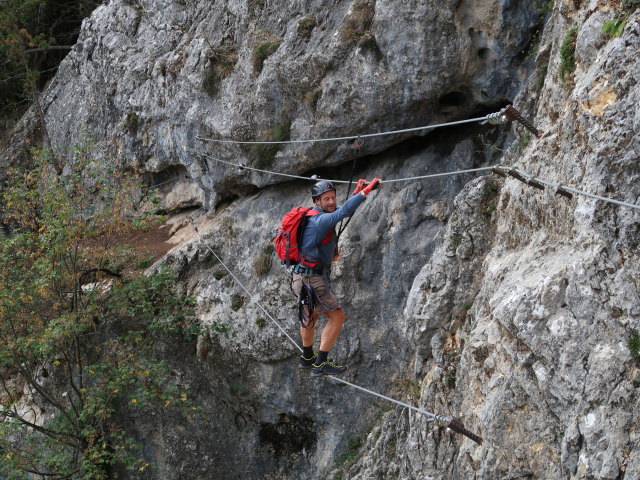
35, 35
79, 324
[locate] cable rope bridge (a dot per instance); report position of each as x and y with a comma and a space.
506, 114
452, 423
504, 171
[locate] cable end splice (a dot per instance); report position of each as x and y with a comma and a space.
456, 425
515, 116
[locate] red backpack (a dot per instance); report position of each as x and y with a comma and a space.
289, 234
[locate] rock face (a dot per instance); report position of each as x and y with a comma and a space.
540, 362
146, 80
480, 298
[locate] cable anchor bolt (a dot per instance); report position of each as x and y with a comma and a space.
515, 116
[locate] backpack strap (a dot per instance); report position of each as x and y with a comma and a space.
310, 213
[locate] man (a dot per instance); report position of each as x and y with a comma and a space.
317, 249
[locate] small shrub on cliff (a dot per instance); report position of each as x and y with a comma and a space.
237, 302
306, 25
614, 27
132, 122
312, 97
262, 264
568, 54
221, 64
265, 154
261, 322
266, 47
633, 342
357, 26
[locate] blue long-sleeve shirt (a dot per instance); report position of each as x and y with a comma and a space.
319, 225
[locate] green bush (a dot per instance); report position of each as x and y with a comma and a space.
221, 64
132, 122
614, 27
633, 342
264, 49
568, 54
237, 302
65, 314
262, 264
357, 26
541, 74
261, 322
312, 97
265, 154
219, 274
306, 25
630, 4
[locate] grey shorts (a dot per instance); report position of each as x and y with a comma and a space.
325, 301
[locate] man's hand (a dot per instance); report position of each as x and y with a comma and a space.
375, 183
360, 185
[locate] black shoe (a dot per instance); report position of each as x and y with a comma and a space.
327, 368
306, 363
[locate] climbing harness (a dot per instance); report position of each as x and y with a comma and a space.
306, 306
451, 423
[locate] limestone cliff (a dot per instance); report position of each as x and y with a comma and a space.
481, 298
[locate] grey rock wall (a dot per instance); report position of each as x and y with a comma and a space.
542, 367
475, 297
147, 78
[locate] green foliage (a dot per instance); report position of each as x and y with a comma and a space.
261, 322
67, 317
219, 274
237, 302
541, 74
266, 154
543, 6
488, 208
132, 122
615, 26
221, 64
354, 444
306, 25
145, 262
524, 137
267, 46
357, 26
262, 264
568, 54
450, 379
633, 342
211, 261
456, 240
312, 97
630, 4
